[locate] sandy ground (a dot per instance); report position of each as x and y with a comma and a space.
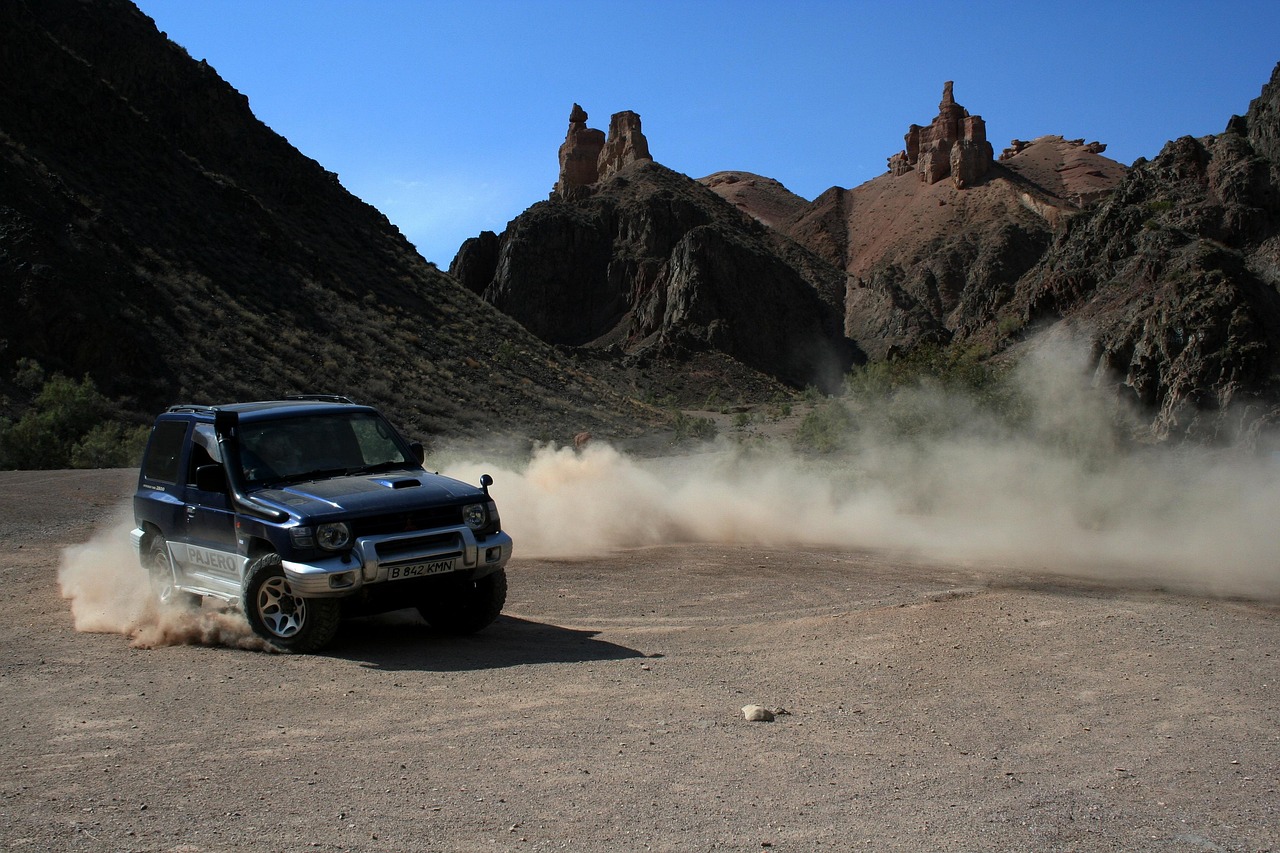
930, 708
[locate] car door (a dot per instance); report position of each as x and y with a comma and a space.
211, 560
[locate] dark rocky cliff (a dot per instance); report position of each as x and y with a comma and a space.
1177, 279
649, 262
1169, 269
159, 238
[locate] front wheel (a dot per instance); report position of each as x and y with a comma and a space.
464, 608
287, 621
164, 583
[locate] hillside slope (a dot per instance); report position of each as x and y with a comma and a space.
651, 264
1169, 269
1176, 277
157, 237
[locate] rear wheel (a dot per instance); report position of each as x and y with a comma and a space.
164, 583
287, 621
465, 608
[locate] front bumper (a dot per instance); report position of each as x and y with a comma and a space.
376, 559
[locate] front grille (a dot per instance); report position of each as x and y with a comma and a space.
419, 545
403, 522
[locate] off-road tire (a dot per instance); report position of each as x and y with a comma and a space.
289, 622
160, 574
465, 608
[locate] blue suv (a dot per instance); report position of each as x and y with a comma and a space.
307, 509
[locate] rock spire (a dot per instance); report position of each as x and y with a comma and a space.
953, 145
587, 157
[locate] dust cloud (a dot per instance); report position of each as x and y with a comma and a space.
110, 594
931, 477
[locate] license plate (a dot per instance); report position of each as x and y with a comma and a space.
420, 570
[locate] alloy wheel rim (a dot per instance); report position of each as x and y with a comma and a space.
282, 612
162, 578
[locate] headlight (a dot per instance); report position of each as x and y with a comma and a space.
475, 516
333, 536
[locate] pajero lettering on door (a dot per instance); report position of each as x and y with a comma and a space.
214, 561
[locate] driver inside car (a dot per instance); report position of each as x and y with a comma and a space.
270, 455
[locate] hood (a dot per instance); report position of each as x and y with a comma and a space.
371, 494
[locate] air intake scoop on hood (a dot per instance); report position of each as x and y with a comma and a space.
409, 483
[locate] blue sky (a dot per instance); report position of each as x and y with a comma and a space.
446, 116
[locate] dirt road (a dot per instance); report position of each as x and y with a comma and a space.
929, 708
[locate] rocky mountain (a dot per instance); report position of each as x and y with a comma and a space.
1176, 275
155, 236
631, 256
1168, 267
930, 252
934, 248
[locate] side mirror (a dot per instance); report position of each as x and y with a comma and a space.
211, 478
419, 452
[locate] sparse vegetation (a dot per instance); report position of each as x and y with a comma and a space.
69, 425
825, 429
952, 369
1008, 325
929, 392
692, 427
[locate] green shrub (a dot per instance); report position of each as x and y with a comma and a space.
934, 390
110, 445
951, 369
1009, 324
702, 429
826, 428
69, 424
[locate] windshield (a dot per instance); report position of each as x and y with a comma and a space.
297, 448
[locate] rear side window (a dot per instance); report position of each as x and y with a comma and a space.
164, 451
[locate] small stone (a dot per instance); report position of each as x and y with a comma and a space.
757, 714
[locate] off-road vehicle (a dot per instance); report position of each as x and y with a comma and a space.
307, 509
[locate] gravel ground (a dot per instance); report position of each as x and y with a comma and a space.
927, 708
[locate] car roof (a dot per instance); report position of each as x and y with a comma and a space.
262, 409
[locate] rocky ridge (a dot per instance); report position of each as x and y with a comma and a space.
1168, 268
1176, 275
155, 236
650, 264
632, 258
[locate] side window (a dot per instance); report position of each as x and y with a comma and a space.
204, 450
164, 451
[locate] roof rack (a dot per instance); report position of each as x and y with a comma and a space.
191, 407
322, 398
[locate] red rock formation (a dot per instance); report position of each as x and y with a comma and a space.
587, 158
953, 145
626, 144
579, 154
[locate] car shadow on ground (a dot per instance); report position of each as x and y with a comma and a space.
401, 642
